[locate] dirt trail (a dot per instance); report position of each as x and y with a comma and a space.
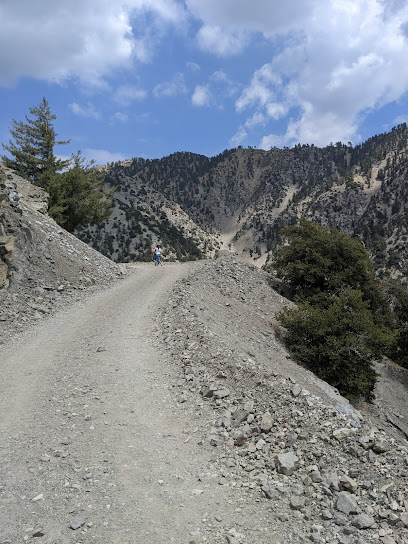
90, 431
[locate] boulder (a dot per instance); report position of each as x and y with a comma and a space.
347, 503
286, 463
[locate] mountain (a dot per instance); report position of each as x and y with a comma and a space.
41, 264
178, 373
195, 205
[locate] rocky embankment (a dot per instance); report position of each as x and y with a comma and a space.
41, 264
281, 436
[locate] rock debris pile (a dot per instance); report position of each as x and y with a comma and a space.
41, 264
282, 437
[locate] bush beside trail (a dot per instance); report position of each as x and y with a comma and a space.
343, 322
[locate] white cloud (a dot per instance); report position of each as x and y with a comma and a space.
126, 94
348, 60
193, 66
256, 120
87, 39
260, 91
173, 87
215, 39
220, 75
272, 140
227, 25
85, 111
239, 137
103, 156
121, 117
202, 96
266, 16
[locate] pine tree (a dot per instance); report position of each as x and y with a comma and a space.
77, 196
342, 323
32, 150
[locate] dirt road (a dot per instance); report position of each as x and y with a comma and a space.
92, 445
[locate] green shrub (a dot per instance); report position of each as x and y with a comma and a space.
343, 321
337, 343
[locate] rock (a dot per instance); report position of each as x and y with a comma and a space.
239, 416
381, 445
214, 439
226, 419
269, 492
348, 483
77, 523
347, 503
363, 521
290, 441
297, 503
316, 477
326, 514
332, 480
38, 497
3, 274
296, 390
341, 434
404, 518
208, 392
266, 422
260, 444
4, 539
38, 533
221, 393
197, 492
286, 463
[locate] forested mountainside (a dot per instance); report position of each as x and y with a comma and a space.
186, 201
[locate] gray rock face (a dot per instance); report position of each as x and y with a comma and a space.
286, 463
266, 422
341, 434
221, 393
363, 521
239, 416
347, 503
37, 257
308, 458
77, 523
297, 503
381, 445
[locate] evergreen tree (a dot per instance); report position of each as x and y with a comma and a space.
338, 342
342, 322
32, 150
398, 295
77, 196
321, 262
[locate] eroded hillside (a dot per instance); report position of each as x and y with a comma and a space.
40, 263
194, 205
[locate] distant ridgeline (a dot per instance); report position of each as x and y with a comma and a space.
185, 200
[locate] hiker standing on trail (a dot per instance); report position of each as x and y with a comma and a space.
155, 255
158, 255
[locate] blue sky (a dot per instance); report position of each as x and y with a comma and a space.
146, 78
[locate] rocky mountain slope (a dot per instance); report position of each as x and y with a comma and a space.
40, 263
330, 473
291, 460
246, 196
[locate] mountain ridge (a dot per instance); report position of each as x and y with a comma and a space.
112, 370
243, 197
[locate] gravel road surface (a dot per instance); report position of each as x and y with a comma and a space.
92, 446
